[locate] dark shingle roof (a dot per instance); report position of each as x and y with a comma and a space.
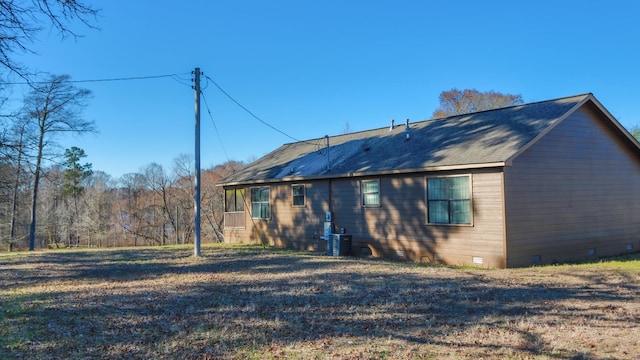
487, 137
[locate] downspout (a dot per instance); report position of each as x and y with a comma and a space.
331, 196
505, 219
330, 182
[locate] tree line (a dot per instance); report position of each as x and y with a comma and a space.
78, 207
50, 198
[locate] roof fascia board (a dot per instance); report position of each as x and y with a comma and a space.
365, 174
617, 124
509, 161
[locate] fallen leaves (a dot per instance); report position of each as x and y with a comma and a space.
255, 303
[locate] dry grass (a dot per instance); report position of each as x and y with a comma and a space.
253, 303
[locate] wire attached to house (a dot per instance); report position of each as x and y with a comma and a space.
214, 125
249, 111
247, 205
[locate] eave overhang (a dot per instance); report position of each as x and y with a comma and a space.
328, 176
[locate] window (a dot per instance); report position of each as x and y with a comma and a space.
370, 192
260, 208
449, 200
298, 195
234, 200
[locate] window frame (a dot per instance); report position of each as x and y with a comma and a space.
363, 193
293, 195
263, 202
449, 200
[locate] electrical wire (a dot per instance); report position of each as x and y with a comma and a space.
178, 79
181, 81
244, 197
101, 80
249, 111
214, 125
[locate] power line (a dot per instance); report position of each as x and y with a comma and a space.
214, 125
174, 76
186, 82
249, 111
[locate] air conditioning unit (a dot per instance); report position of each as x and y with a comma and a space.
339, 245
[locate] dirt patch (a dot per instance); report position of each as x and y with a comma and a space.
259, 303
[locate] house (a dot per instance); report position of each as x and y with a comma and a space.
538, 183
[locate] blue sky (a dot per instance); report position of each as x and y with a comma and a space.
312, 68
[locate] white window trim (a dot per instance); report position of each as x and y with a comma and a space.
426, 198
251, 203
304, 195
362, 193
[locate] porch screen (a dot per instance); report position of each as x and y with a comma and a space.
234, 200
449, 200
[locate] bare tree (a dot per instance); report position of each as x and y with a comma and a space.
17, 150
131, 206
456, 102
159, 184
99, 215
54, 219
53, 108
22, 20
183, 172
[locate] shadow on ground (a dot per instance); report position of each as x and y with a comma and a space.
151, 303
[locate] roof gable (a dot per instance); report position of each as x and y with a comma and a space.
487, 138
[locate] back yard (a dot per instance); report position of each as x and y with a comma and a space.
255, 303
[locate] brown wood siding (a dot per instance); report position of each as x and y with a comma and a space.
291, 226
577, 188
235, 220
397, 228
299, 227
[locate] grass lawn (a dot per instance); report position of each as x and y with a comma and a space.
255, 303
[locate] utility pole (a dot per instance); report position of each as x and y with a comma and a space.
196, 197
